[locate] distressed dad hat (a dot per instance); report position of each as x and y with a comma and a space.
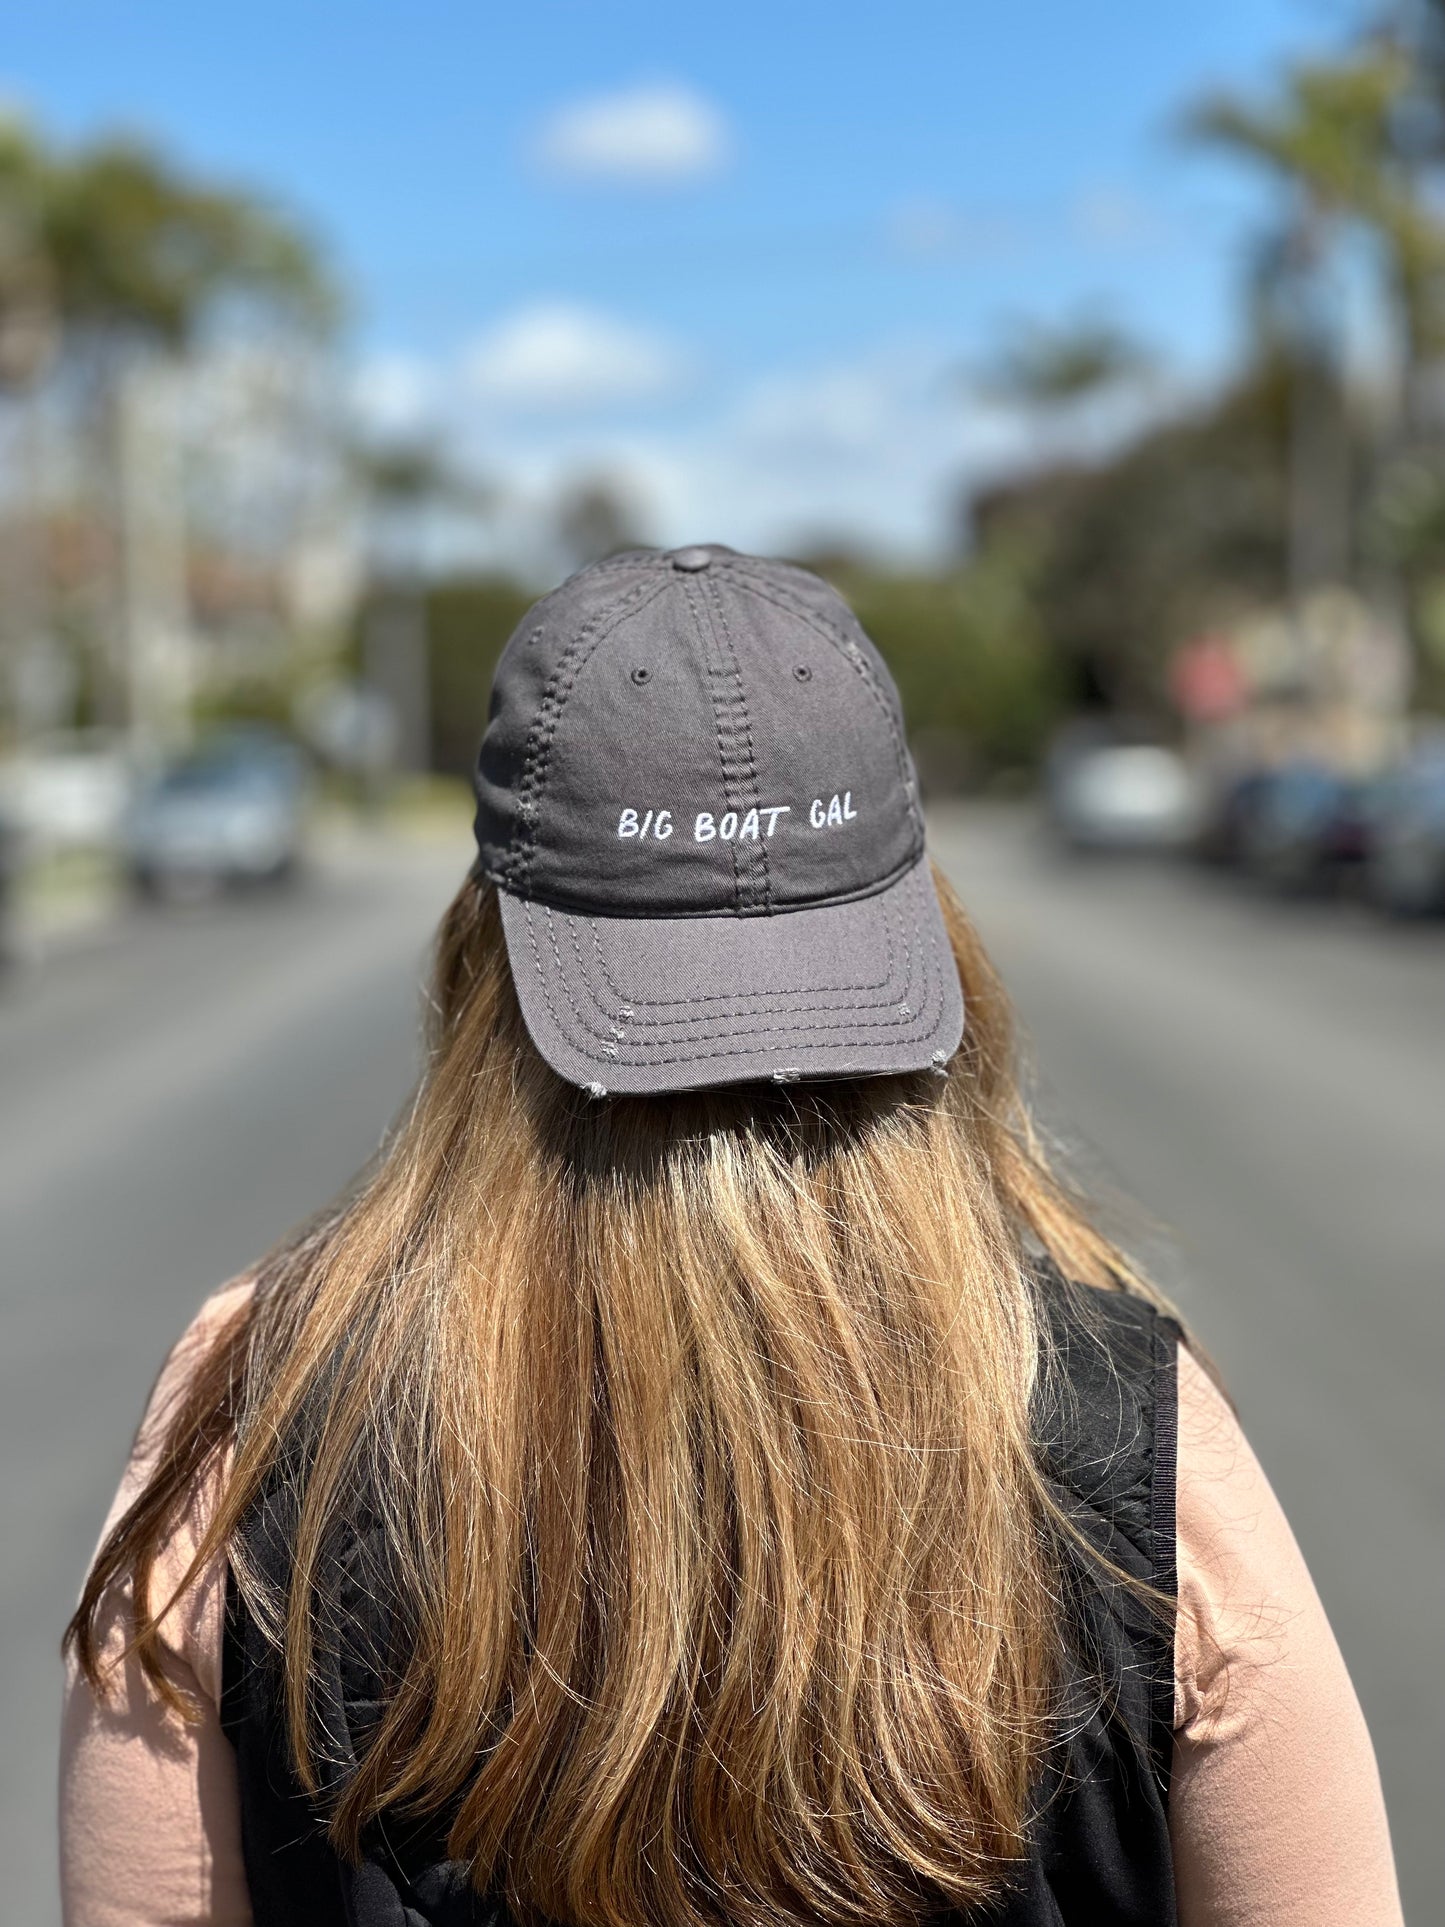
696, 802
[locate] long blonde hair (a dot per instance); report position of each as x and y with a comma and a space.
698, 1431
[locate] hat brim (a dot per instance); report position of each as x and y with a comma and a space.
648, 1004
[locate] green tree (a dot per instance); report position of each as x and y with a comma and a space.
1356, 144
1339, 138
130, 261
27, 276
595, 519
406, 487
142, 255
468, 621
979, 682
1128, 557
1061, 377
1057, 368
124, 251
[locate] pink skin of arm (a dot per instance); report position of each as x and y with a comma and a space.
1275, 1809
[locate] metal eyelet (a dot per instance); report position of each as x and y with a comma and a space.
640, 676
802, 673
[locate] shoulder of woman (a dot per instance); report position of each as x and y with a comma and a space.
1275, 1806
181, 1364
191, 1626
1245, 1595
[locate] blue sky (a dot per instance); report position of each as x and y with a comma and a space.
734, 258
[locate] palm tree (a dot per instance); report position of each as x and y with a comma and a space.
27, 290
1339, 139
1058, 375
1335, 139
144, 256
131, 262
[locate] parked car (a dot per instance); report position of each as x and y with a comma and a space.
1229, 803
230, 813
10, 849
1305, 827
1107, 790
1405, 868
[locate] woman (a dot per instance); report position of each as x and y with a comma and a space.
710, 1470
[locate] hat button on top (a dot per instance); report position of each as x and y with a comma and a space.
691, 560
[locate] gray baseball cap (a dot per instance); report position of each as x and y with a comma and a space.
696, 802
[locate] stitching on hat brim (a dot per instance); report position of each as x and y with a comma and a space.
796, 1036
821, 998
754, 1042
730, 996
909, 918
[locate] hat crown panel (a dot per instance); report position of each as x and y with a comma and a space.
667, 743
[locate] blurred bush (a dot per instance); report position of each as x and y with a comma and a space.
468, 621
980, 684
980, 687
1128, 557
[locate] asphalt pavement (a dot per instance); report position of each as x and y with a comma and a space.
1267, 1081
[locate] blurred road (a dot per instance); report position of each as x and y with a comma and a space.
1268, 1081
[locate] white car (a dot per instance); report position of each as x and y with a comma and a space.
1123, 796
231, 813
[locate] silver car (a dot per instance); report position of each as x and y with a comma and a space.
1406, 864
231, 813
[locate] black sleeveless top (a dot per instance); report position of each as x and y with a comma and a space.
1106, 1429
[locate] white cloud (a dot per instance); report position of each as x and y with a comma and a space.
658, 133
875, 447
555, 356
394, 394
828, 414
925, 228
1109, 216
